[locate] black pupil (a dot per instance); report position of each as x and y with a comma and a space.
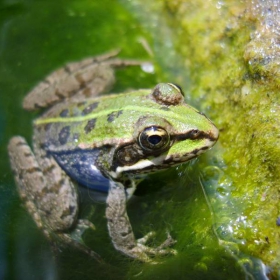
154, 139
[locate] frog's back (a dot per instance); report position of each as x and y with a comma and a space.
131, 133
93, 122
76, 133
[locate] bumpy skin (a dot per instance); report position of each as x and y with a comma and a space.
85, 138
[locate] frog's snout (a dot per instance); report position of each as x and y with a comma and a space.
215, 134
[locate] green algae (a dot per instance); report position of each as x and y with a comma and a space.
231, 51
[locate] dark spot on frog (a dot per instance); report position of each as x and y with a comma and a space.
111, 117
278, 221
124, 233
72, 209
64, 135
90, 126
128, 155
68, 211
204, 148
64, 113
130, 246
90, 108
47, 213
47, 126
195, 151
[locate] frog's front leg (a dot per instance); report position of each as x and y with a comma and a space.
121, 231
49, 195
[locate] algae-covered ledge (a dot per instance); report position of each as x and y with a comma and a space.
231, 49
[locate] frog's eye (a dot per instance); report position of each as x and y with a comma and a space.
154, 138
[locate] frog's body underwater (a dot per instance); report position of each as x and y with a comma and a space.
106, 143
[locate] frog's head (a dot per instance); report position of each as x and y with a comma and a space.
172, 133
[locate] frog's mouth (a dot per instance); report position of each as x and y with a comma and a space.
169, 158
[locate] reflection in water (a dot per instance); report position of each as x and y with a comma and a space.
228, 221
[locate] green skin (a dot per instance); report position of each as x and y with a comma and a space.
116, 120
134, 133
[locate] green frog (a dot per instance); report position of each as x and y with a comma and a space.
107, 143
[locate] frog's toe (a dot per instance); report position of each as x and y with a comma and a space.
83, 225
168, 243
144, 251
158, 251
145, 254
80, 228
145, 238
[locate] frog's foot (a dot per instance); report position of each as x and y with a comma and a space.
74, 238
142, 251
